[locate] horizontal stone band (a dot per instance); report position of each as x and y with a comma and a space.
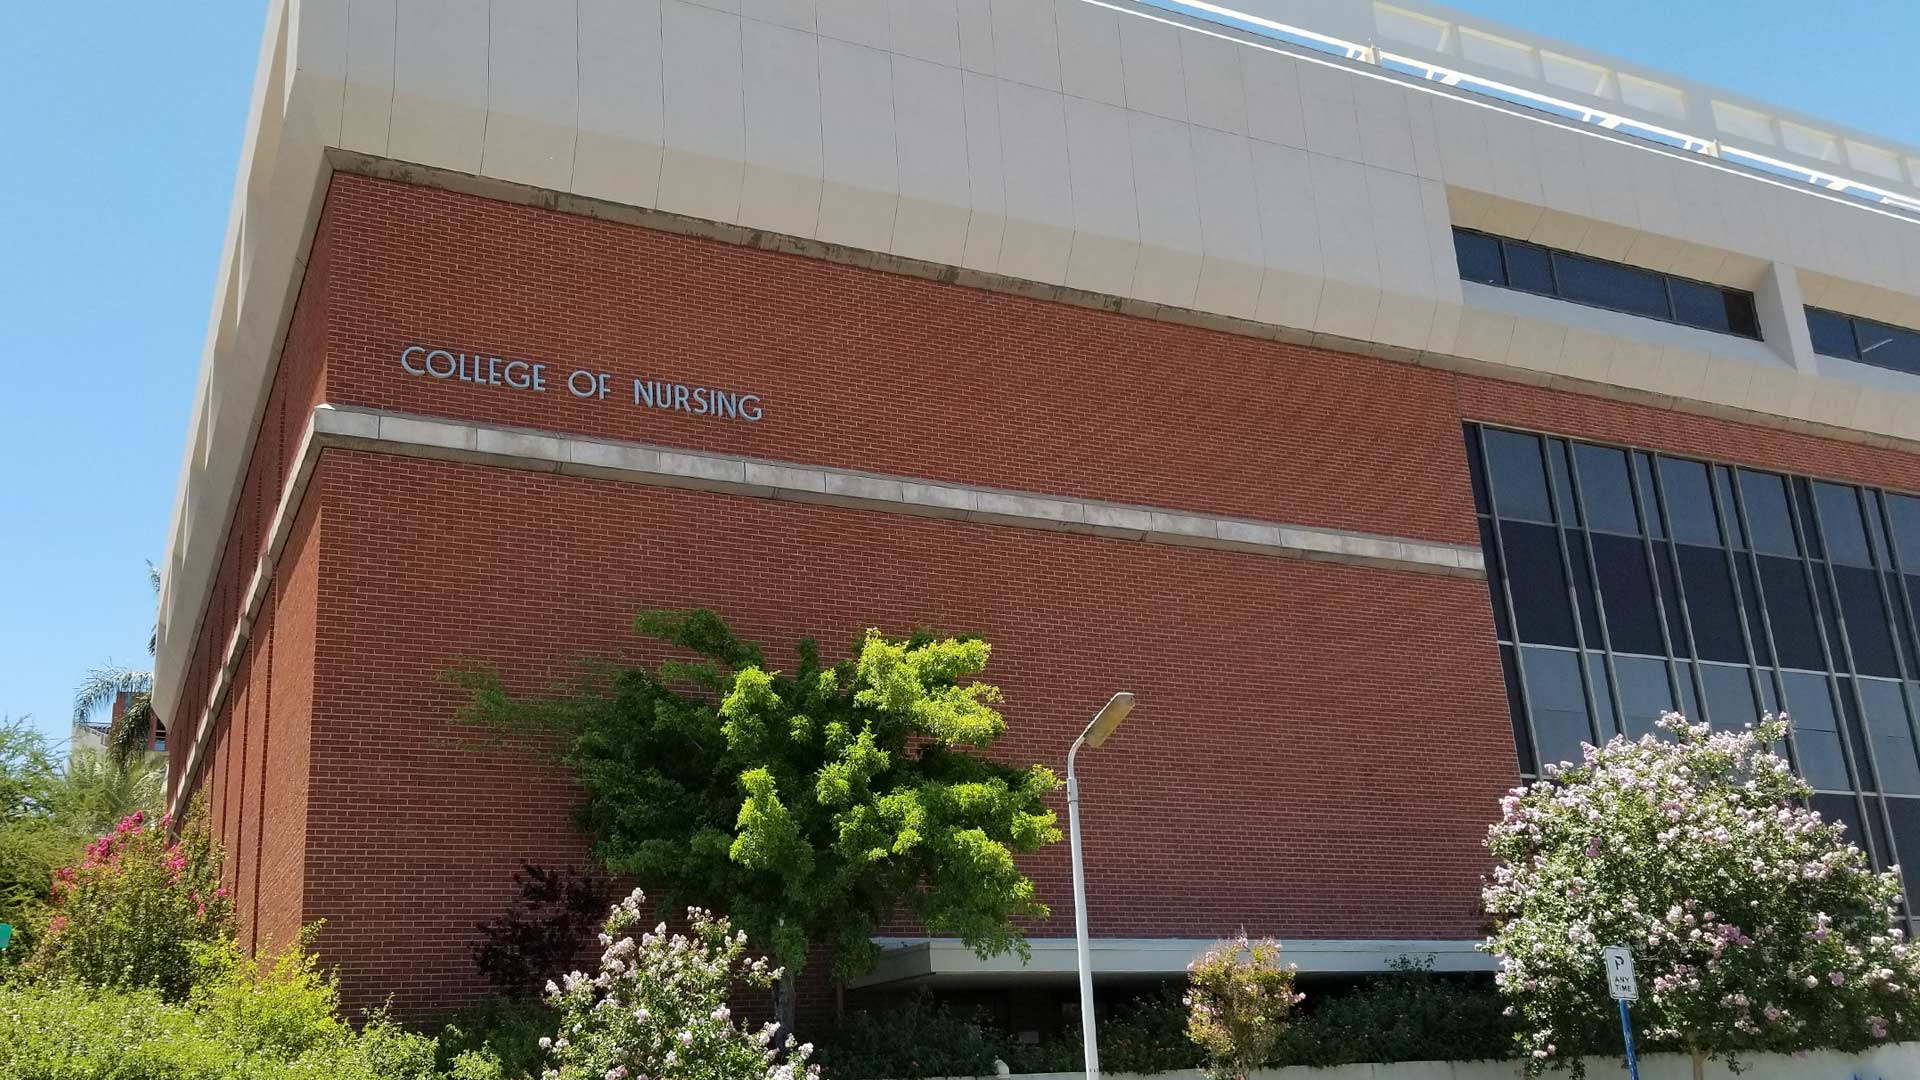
635, 463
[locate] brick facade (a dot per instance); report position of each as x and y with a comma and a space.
1318, 746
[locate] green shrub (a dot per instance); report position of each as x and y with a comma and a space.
139, 911
554, 920
910, 1042
1145, 1035
1410, 1014
244, 1021
499, 1034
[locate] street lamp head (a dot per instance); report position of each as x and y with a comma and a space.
1115, 711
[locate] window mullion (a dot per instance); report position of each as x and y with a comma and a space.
1679, 587
1599, 600
1832, 597
1506, 596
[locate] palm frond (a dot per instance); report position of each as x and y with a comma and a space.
153, 636
96, 791
103, 684
131, 735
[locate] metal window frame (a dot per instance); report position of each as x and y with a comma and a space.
1666, 285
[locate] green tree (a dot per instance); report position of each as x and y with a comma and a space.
47, 814
1754, 925
809, 806
33, 841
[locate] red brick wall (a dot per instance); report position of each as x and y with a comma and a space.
1279, 773
867, 370
255, 787
1318, 746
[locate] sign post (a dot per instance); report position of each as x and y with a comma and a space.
6, 934
1624, 988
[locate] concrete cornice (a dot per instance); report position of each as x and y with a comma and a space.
635, 463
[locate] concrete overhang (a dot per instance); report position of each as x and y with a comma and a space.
908, 962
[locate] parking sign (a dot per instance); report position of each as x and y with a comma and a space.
1620, 981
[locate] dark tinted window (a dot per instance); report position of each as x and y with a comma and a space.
1865, 615
1904, 512
1898, 602
1876, 528
1796, 637
1649, 497
1558, 703
1877, 830
1496, 580
1735, 533
1729, 691
1529, 268
1763, 499
1590, 281
1869, 342
1689, 696
1644, 693
1522, 741
1840, 524
1700, 305
1626, 589
1905, 814
1844, 810
1514, 264
1888, 346
1832, 334
1479, 256
1689, 502
1537, 582
1710, 604
1755, 611
1743, 315
1602, 696
1583, 587
1893, 750
1816, 731
1519, 476
1670, 600
1560, 463
1803, 507
1608, 494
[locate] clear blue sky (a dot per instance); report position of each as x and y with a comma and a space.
122, 130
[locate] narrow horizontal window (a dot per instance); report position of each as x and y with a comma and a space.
1851, 337
1513, 264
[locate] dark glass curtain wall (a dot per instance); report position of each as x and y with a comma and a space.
1627, 583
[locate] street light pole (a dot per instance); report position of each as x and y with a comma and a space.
1096, 733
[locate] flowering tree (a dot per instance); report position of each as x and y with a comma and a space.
1753, 924
658, 1008
809, 806
138, 910
1238, 1004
